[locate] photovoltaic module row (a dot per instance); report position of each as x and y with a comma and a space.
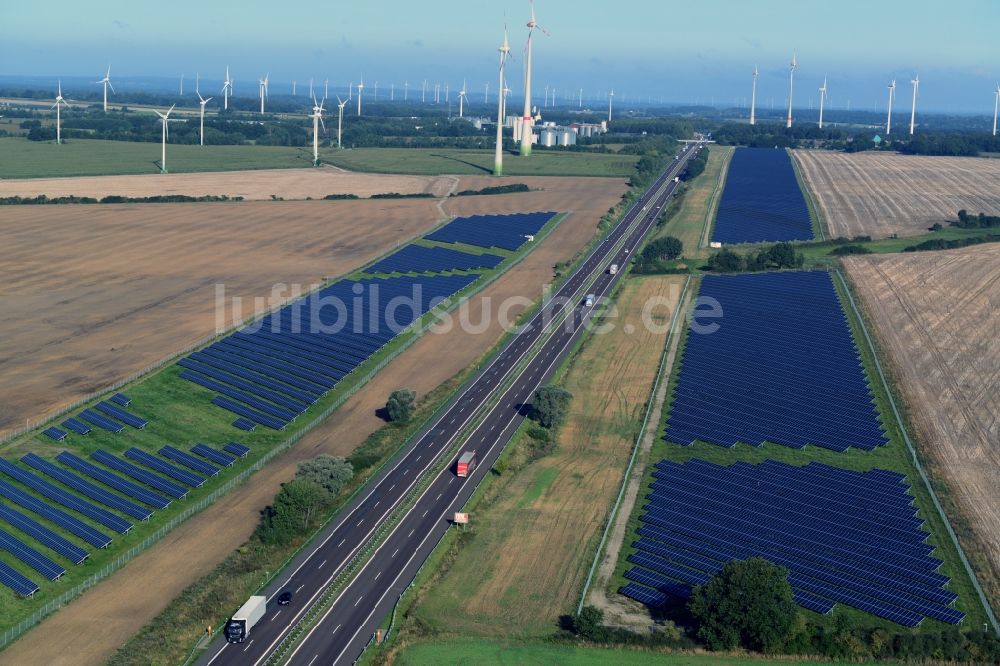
421, 259
761, 200
843, 536
273, 370
781, 367
504, 231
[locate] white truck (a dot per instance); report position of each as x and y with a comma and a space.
249, 614
612, 269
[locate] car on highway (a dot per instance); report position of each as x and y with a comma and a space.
285, 598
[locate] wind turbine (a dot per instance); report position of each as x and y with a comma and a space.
406, 91
361, 86
263, 91
486, 95
498, 156
326, 89
888, 118
913, 109
340, 119
375, 94
822, 98
107, 82
227, 90
60, 100
753, 96
526, 117
580, 105
317, 116
996, 105
545, 102
164, 120
350, 91
461, 100
392, 92
202, 102
791, 86
611, 96
423, 93
182, 84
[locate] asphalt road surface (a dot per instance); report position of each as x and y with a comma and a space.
347, 626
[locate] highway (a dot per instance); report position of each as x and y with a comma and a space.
347, 626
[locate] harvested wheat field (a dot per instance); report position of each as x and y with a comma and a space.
537, 529
117, 608
937, 315
251, 185
868, 194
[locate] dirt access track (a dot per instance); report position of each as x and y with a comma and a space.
937, 316
251, 185
94, 293
103, 618
879, 194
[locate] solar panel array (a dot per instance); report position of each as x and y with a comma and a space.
844, 536
504, 231
421, 259
761, 200
782, 367
55, 433
272, 371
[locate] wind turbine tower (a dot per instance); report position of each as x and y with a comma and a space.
182, 84
317, 118
340, 119
164, 120
107, 83
611, 96
227, 90
913, 109
498, 156
996, 106
753, 96
202, 102
888, 118
263, 91
461, 100
526, 118
60, 101
822, 98
580, 105
361, 86
791, 87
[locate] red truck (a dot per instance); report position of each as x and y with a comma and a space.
466, 463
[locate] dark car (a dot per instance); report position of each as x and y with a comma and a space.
285, 598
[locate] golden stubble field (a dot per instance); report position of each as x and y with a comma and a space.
879, 194
534, 541
117, 608
937, 316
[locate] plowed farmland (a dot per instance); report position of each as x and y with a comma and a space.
882, 194
938, 318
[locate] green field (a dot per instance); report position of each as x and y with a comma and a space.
688, 223
436, 161
20, 158
499, 653
892, 456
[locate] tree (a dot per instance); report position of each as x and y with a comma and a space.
292, 513
400, 405
749, 604
668, 248
329, 472
589, 623
726, 261
551, 404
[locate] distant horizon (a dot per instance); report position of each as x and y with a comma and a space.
682, 53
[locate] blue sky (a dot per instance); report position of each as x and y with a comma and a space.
699, 50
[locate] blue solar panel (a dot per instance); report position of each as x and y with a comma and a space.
174, 472
54, 433
52, 514
76, 426
244, 424
188, 460
16, 581
219, 457
139, 474
504, 231
94, 418
761, 200
30, 556
43, 534
116, 412
68, 500
237, 449
125, 486
815, 521
87, 488
781, 367
643, 594
421, 259
121, 399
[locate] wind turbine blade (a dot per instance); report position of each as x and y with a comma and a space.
209, 100
112, 87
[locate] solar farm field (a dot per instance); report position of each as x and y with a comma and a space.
761, 200
936, 317
537, 524
879, 194
768, 493
131, 598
